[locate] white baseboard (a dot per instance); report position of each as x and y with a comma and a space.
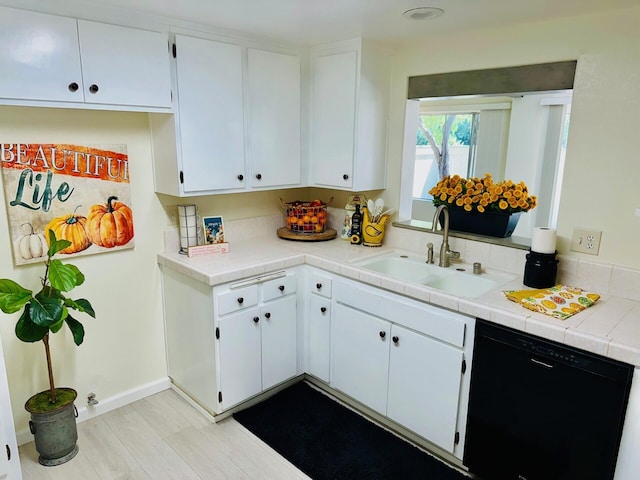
107, 404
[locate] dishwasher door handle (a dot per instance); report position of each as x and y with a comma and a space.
541, 363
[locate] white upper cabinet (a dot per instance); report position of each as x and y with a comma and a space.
211, 115
238, 120
39, 57
349, 113
47, 58
124, 66
274, 118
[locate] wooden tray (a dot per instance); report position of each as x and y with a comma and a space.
328, 234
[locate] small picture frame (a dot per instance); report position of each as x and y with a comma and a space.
213, 230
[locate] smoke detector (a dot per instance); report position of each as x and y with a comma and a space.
422, 13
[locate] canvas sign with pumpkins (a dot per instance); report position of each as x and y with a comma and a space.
82, 193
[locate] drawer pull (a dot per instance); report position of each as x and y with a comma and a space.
323, 309
383, 334
240, 300
256, 319
395, 339
318, 286
267, 315
281, 288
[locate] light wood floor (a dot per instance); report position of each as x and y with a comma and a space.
162, 437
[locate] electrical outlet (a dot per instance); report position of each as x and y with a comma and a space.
586, 241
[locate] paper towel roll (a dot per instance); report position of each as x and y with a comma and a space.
543, 240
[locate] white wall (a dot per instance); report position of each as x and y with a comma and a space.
124, 345
601, 176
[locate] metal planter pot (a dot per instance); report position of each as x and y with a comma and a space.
55, 432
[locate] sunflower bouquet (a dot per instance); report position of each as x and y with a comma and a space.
483, 194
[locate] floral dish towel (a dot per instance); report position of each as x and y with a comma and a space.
559, 301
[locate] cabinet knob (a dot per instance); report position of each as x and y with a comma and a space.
323, 309
267, 315
259, 176
256, 319
240, 300
241, 177
318, 286
93, 88
395, 339
345, 177
73, 87
281, 288
383, 334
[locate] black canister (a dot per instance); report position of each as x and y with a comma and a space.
541, 270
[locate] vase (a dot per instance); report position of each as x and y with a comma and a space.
490, 223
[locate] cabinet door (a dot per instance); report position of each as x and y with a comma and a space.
333, 118
210, 106
319, 324
360, 356
39, 57
424, 386
124, 66
239, 356
9, 456
274, 118
279, 340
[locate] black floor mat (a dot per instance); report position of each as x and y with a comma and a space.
330, 442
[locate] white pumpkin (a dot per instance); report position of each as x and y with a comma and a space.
32, 245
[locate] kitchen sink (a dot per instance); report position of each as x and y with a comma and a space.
457, 279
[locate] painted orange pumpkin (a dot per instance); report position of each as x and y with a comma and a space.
110, 224
72, 228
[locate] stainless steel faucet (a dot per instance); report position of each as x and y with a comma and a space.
445, 253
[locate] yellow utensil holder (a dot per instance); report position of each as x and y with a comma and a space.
373, 233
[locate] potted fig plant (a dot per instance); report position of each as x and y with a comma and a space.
53, 414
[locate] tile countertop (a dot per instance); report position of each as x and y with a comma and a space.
611, 327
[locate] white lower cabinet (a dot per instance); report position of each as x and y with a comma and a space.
360, 344
9, 457
318, 321
256, 345
228, 343
403, 359
425, 376
239, 357
397, 356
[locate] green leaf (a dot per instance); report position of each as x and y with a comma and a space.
82, 305
63, 277
47, 311
12, 296
76, 329
56, 245
55, 328
79, 274
26, 330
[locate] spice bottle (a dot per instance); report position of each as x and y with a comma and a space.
356, 226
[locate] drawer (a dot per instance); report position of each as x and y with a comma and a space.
279, 287
237, 299
321, 285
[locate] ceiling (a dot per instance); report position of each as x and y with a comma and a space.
321, 21
311, 22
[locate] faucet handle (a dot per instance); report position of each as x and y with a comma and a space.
429, 252
453, 254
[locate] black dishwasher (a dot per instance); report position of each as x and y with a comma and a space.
541, 410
